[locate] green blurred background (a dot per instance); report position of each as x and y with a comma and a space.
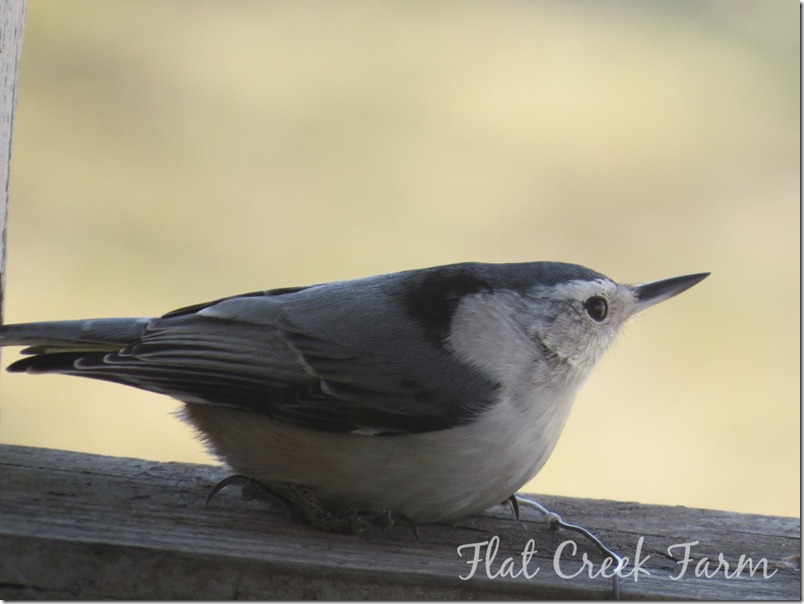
168, 152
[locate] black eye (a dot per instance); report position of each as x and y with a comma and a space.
597, 307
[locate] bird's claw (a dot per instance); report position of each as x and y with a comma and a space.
513, 503
250, 489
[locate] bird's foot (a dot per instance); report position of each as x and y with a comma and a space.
308, 508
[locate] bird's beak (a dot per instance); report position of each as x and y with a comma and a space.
648, 294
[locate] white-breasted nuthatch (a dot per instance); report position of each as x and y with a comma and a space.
432, 393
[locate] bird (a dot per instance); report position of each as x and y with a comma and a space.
425, 395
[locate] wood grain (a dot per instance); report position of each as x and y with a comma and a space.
78, 526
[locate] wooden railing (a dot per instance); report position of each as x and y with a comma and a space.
78, 526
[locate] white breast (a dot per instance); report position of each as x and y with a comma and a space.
468, 469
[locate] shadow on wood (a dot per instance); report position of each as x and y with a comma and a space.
77, 526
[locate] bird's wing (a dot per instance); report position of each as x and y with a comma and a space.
337, 357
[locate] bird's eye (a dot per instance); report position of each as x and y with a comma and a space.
597, 308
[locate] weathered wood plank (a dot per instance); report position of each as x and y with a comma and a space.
12, 20
77, 526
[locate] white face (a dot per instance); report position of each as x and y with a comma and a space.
552, 333
579, 320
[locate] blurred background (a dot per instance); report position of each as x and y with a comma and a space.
168, 153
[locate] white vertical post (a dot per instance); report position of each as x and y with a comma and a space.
12, 19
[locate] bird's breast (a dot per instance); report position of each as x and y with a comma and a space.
428, 477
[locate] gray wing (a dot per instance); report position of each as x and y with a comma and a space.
346, 356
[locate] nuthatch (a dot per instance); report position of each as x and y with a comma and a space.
430, 394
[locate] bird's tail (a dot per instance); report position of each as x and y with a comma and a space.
89, 335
